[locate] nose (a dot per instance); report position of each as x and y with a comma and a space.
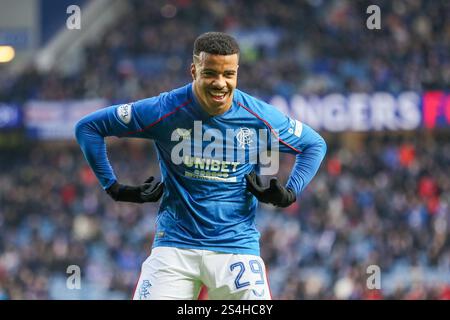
219, 82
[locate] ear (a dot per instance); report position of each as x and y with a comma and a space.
193, 71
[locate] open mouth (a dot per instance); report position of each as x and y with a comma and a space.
218, 96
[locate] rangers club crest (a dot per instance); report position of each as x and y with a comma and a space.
244, 137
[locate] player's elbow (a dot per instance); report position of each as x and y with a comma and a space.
80, 129
321, 147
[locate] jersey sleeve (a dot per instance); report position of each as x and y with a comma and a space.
126, 120
301, 140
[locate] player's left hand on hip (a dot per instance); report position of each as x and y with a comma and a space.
275, 194
149, 191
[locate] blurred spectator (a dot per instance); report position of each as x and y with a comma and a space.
384, 203
308, 47
343, 222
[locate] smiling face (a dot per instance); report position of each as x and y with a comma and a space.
215, 78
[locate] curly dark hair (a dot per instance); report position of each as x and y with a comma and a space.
216, 43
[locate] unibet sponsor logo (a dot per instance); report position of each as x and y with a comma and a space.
210, 169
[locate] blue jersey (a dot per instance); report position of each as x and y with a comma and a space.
203, 160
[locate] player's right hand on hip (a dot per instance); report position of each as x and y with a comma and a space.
275, 193
149, 191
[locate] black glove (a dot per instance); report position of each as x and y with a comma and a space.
275, 194
148, 192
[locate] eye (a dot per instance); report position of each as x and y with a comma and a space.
230, 74
208, 73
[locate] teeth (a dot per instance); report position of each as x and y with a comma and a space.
219, 94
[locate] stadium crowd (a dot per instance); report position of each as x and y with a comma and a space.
385, 203
307, 46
